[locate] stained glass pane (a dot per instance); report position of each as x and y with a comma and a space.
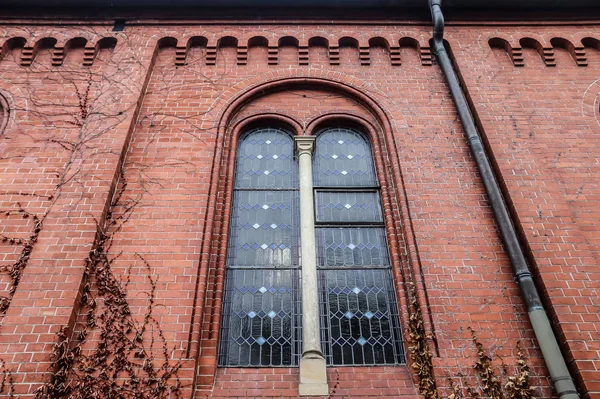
343, 159
261, 318
359, 315
351, 246
266, 159
264, 229
338, 206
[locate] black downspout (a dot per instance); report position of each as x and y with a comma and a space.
563, 383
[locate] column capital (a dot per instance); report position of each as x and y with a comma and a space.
305, 144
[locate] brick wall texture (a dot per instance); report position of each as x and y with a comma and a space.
116, 167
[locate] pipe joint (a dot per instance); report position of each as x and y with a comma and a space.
474, 140
523, 275
438, 21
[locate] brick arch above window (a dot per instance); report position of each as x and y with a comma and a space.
249, 121
4, 113
590, 103
233, 109
304, 104
350, 120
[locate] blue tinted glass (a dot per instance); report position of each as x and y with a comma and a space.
263, 229
343, 159
360, 317
351, 246
261, 315
338, 206
265, 159
260, 318
359, 313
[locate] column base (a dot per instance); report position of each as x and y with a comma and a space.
313, 376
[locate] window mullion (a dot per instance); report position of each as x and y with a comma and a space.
313, 375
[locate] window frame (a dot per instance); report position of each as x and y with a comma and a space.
294, 269
296, 266
396, 338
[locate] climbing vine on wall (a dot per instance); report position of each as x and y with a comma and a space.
489, 383
15, 269
109, 353
419, 350
127, 358
6, 381
518, 386
71, 127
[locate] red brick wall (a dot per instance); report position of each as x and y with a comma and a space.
542, 126
140, 145
283, 382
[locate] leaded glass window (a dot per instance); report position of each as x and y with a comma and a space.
358, 310
261, 315
359, 313
343, 159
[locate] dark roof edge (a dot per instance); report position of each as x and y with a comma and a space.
298, 4
286, 14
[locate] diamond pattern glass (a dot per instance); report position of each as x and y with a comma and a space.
360, 311
351, 247
261, 315
263, 229
338, 206
343, 159
266, 159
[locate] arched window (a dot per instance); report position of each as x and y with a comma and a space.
359, 314
357, 308
261, 308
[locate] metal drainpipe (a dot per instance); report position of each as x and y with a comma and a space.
563, 383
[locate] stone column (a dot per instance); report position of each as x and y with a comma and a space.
313, 374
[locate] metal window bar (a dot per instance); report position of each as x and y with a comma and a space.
261, 324
359, 324
358, 306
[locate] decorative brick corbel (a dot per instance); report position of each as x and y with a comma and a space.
364, 55
516, 56
425, 53
242, 55
89, 54
577, 53
580, 58
395, 57
303, 55
211, 55
10, 44
27, 56
334, 55
58, 55
180, 55
514, 53
548, 56
273, 55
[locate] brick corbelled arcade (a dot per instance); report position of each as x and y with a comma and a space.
153, 207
